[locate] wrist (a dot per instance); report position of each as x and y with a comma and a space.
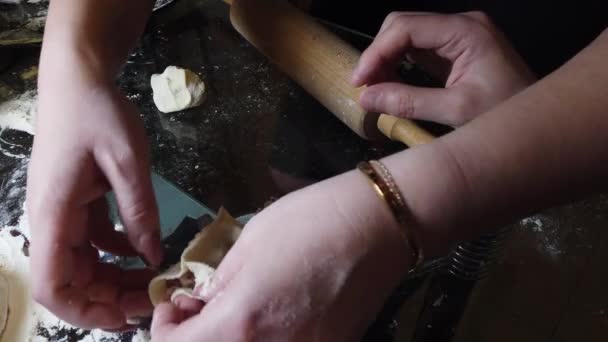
435, 191
92, 37
369, 216
73, 66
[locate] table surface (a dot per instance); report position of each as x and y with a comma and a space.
259, 136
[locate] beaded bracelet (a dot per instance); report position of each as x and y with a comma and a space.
385, 186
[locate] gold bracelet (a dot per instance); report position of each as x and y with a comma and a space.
385, 186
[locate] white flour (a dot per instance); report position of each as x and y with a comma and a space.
19, 113
547, 232
26, 317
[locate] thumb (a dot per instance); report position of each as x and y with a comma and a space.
230, 266
432, 104
165, 320
130, 179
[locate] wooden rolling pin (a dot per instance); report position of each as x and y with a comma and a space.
320, 62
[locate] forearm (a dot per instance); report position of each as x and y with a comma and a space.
541, 147
90, 38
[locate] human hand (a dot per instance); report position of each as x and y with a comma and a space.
482, 68
89, 140
314, 266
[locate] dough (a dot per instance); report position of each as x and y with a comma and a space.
177, 89
198, 261
4, 296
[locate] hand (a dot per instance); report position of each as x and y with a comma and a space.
314, 266
89, 140
482, 69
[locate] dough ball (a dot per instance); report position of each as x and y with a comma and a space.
177, 89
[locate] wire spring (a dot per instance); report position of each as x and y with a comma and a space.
473, 260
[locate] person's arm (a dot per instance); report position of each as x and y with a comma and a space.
319, 263
546, 145
90, 39
466, 52
90, 140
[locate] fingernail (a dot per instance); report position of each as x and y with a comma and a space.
136, 321
124, 329
368, 99
150, 243
356, 78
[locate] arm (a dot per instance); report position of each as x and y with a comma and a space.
324, 259
539, 148
90, 39
90, 140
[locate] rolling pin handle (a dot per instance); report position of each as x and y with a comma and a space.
403, 130
319, 61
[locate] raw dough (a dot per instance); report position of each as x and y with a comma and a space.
4, 296
177, 89
199, 260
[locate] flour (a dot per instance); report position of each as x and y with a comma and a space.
29, 321
141, 336
19, 113
15, 267
7, 151
548, 234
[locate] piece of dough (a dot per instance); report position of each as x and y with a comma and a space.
4, 310
177, 89
198, 261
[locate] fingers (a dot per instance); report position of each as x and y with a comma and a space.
190, 320
170, 323
129, 176
109, 297
437, 67
219, 320
479, 17
228, 269
82, 312
398, 15
132, 298
189, 306
166, 317
102, 233
126, 280
432, 104
423, 31
109, 240
136, 304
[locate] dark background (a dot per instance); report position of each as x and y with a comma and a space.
546, 33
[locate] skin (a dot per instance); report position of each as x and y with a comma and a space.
317, 264
455, 188
90, 140
473, 58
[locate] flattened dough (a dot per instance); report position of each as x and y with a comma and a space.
198, 261
177, 89
4, 310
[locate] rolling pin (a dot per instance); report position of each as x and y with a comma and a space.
320, 62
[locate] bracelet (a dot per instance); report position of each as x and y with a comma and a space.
385, 186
